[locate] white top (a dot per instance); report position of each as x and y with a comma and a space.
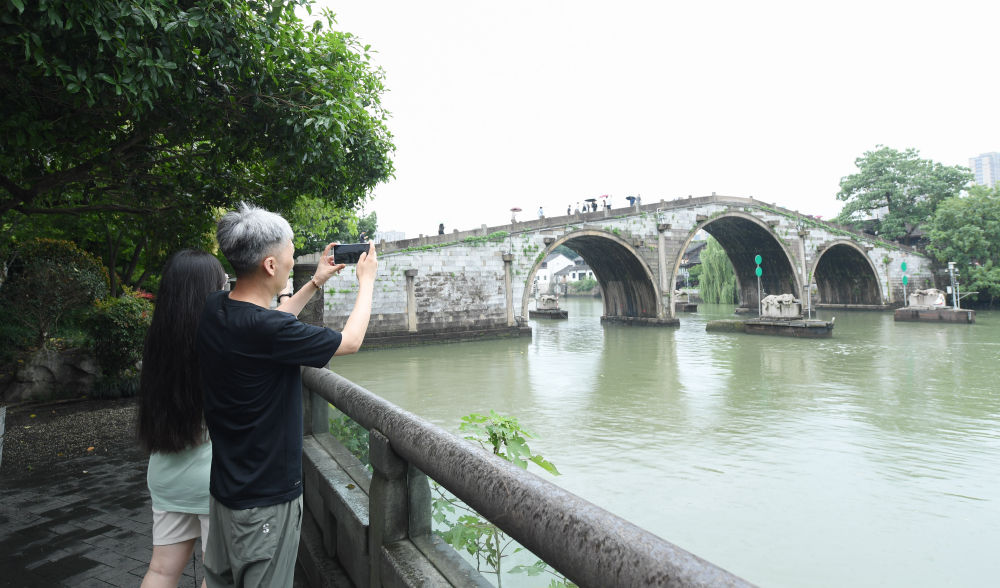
178, 482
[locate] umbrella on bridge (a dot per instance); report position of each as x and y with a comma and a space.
593, 203
513, 214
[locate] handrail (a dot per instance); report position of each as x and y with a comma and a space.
588, 544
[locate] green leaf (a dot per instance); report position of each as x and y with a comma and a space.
539, 567
19, 5
545, 464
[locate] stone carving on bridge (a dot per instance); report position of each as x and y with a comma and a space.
931, 298
547, 306
931, 305
682, 302
781, 306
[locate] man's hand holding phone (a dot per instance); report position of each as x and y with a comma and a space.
367, 264
327, 268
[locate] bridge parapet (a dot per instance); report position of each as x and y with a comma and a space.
379, 527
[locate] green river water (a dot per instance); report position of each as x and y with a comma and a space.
868, 459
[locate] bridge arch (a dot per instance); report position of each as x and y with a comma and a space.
845, 274
626, 280
743, 236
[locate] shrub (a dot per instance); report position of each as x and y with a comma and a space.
48, 279
118, 329
583, 285
353, 436
124, 386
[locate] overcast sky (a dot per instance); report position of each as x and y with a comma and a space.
516, 103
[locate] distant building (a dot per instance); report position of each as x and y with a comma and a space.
385, 236
550, 265
692, 257
579, 270
986, 168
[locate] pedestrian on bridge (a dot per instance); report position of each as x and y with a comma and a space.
250, 358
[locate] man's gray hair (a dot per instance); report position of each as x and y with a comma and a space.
248, 235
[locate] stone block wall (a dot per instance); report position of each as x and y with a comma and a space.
52, 374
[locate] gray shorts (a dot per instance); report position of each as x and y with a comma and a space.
254, 547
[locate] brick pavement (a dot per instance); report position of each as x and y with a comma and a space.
83, 523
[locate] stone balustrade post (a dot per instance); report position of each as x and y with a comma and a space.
388, 509
312, 312
419, 501
411, 300
316, 417
508, 287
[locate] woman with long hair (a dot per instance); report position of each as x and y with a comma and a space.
171, 425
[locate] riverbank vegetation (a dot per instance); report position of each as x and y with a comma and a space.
899, 190
966, 230
583, 286
459, 525
898, 195
130, 126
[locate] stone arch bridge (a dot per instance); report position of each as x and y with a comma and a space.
473, 283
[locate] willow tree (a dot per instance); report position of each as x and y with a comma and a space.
141, 114
718, 279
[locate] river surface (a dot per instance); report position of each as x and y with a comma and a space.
868, 459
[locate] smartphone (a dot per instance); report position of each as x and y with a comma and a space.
349, 252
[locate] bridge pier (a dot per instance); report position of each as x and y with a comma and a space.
666, 288
508, 287
642, 321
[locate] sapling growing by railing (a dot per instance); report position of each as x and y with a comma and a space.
463, 528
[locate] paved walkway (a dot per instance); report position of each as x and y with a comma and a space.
86, 522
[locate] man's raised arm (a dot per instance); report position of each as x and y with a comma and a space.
357, 324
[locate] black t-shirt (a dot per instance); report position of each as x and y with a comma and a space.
250, 358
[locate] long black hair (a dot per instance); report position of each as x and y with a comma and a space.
170, 415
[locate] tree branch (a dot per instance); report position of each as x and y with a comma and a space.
98, 208
127, 274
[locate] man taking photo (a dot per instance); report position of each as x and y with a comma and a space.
250, 357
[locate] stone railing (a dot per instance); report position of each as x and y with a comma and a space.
378, 526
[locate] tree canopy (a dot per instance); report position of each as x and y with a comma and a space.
317, 223
964, 230
150, 115
906, 188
